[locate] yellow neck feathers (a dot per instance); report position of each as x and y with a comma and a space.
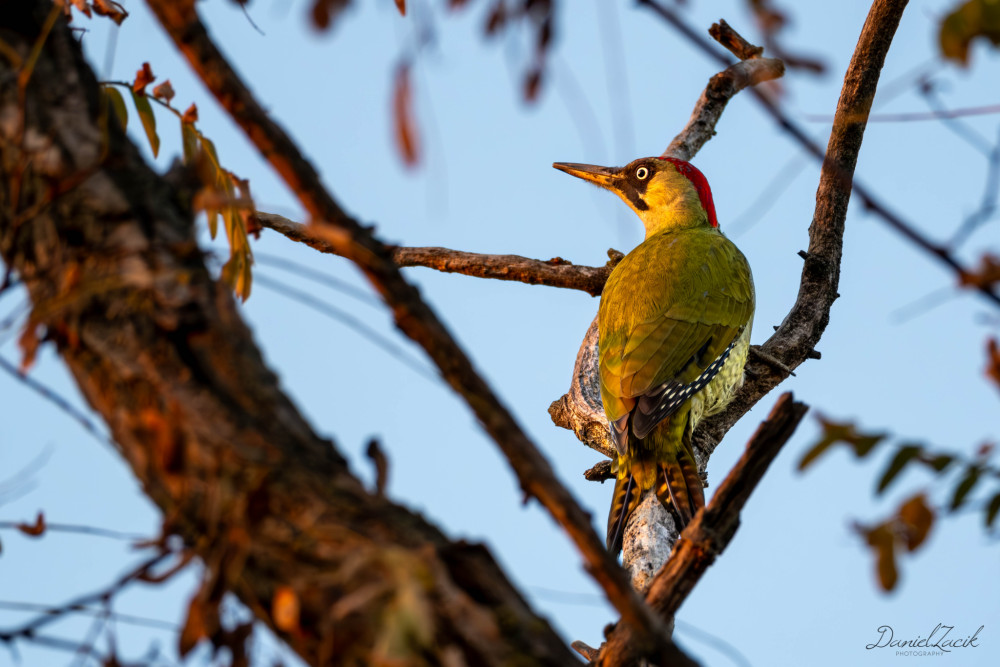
672, 202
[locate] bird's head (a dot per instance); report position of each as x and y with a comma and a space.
666, 193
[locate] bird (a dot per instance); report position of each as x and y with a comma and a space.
674, 328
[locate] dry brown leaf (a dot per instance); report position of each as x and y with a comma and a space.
532, 84
285, 609
83, 6
987, 275
143, 78
402, 111
28, 342
496, 19
34, 530
194, 627
882, 540
993, 361
190, 115
164, 91
401, 6
111, 9
916, 519
325, 12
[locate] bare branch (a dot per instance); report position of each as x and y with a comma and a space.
916, 116
720, 89
868, 199
52, 614
556, 272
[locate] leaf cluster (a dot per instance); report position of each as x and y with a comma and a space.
909, 526
223, 195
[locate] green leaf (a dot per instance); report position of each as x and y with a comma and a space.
189, 140
213, 214
905, 454
117, 102
846, 432
940, 462
213, 222
236, 273
148, 121
209, 148
992, 510
973, 19
965, 487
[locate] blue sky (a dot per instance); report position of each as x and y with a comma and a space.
796, 586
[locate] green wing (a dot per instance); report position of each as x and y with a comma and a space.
670, 309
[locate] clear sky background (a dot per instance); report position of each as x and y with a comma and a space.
796, 586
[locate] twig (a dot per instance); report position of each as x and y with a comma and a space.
52, 614
988, 202
720, 89
713, 528
92, 531
57, 400
553, 273
868, 199
915, 116
412, 315
127, 619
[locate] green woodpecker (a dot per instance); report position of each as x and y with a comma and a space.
674, 325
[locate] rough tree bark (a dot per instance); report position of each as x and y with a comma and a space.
106, 250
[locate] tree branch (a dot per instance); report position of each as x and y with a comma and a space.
713, 528
555, 272
867, 197
651, 531
107, 253
412, 315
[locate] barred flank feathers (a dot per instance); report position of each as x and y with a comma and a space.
623, 502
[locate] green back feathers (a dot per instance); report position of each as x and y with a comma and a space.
680, 297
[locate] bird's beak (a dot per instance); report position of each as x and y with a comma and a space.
602, 176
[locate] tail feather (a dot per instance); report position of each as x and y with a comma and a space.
623, 502
679, 481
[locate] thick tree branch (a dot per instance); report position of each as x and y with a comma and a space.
713, 528
555, 272
107, 253
412, 315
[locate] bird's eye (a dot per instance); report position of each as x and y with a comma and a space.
642, 173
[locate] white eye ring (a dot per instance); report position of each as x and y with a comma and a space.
642, 173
